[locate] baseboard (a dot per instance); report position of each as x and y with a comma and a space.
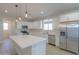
69, 51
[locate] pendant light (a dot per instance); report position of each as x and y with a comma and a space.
26, 13
16, 13
20, 13
43, 17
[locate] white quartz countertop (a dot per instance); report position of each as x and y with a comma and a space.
26, 40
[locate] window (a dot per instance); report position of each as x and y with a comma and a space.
50, 26
47, 24
45, 27
5, 26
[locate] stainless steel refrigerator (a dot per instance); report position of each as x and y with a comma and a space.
69, 36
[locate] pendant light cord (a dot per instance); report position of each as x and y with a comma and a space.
16, 10
26, 8
20, 10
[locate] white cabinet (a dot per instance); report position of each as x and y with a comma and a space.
29, 45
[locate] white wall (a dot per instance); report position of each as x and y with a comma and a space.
1, 31
11, 28
56, 29
4, 34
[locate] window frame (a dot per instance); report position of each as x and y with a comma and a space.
46, 21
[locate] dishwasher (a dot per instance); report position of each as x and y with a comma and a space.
51, 39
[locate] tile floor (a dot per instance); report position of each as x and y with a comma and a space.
5, 49
52, 50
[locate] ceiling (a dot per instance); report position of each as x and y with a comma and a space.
34, 9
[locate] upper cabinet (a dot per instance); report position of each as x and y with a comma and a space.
69, 17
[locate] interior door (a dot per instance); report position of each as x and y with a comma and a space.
72, 37
63, 34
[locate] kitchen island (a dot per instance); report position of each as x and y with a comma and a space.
29, 44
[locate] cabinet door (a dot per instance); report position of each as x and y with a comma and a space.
72, 37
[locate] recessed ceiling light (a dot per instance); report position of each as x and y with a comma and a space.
6, 11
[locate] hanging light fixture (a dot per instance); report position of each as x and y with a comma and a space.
20, 18
26, 13
20, 13
16, 13
16, 20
